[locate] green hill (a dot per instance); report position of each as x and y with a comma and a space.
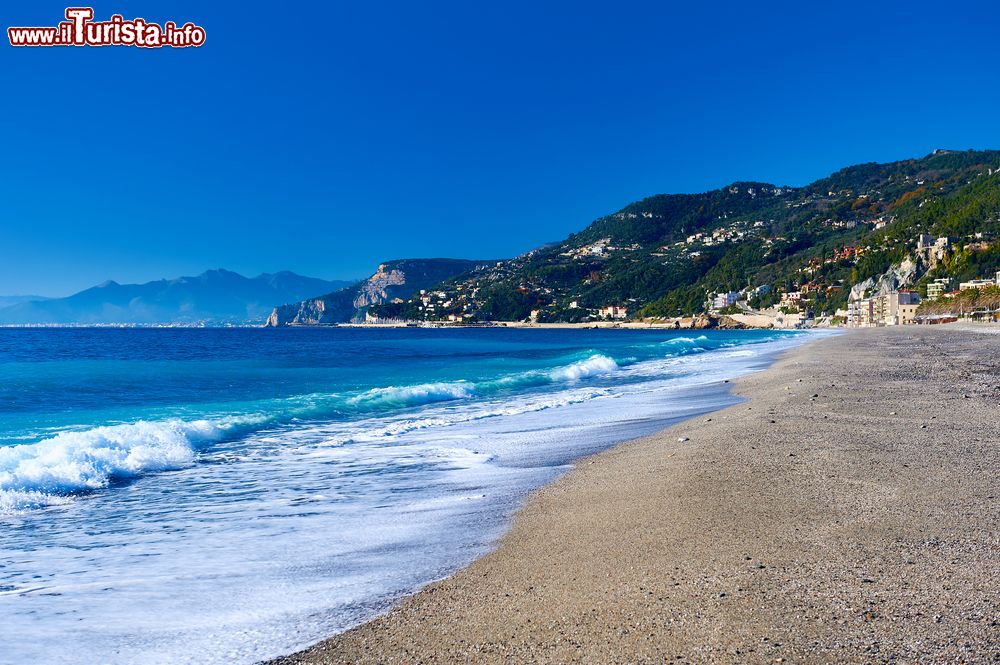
664, 255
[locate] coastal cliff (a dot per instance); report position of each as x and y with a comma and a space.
392, 280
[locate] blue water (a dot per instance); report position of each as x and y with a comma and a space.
209, 496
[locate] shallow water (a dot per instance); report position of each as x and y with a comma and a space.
210, 496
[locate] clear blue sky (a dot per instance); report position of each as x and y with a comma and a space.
322, 137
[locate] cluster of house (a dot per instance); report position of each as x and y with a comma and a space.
732, 233
941, 288
693, 246
607, 312
602, 247
849, 253
789, 299
899, 308
876, 222
436, 304
980, 283
614, 312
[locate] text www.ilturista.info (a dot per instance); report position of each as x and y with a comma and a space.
79, 29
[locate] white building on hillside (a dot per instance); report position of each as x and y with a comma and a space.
724, 300
613, 312
975, 284
938, 288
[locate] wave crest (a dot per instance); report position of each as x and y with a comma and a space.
424, 393
684, 340
34, 475
595, 365
45, 473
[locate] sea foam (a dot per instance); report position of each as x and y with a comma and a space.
595, 365
429, 393
402, 396
45, 473
40, 474
319, 515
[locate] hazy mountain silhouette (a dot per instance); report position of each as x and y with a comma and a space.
215, 296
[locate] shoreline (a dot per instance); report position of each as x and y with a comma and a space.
759, 536
347, 516
689, 323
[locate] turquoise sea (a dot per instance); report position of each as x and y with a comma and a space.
227, 495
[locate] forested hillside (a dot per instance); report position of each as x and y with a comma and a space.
665, 255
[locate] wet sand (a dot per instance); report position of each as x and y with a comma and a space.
847, 512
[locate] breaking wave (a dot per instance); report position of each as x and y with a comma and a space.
72, 462
41, 474
429, 393
403, 396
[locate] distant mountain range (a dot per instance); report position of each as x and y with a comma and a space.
7, 301
213, 297
392, 281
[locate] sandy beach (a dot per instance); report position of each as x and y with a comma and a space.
848, 511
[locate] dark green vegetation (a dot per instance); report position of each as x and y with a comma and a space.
664, 255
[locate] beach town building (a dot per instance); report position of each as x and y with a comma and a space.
791, 299
903, 308
938, 288
613, 312
975, 284
724, 300
896, 308
855, 316
900, 308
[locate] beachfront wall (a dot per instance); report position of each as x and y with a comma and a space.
788, 321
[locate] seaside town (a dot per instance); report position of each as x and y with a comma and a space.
892, 300
459, 333
909, 293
